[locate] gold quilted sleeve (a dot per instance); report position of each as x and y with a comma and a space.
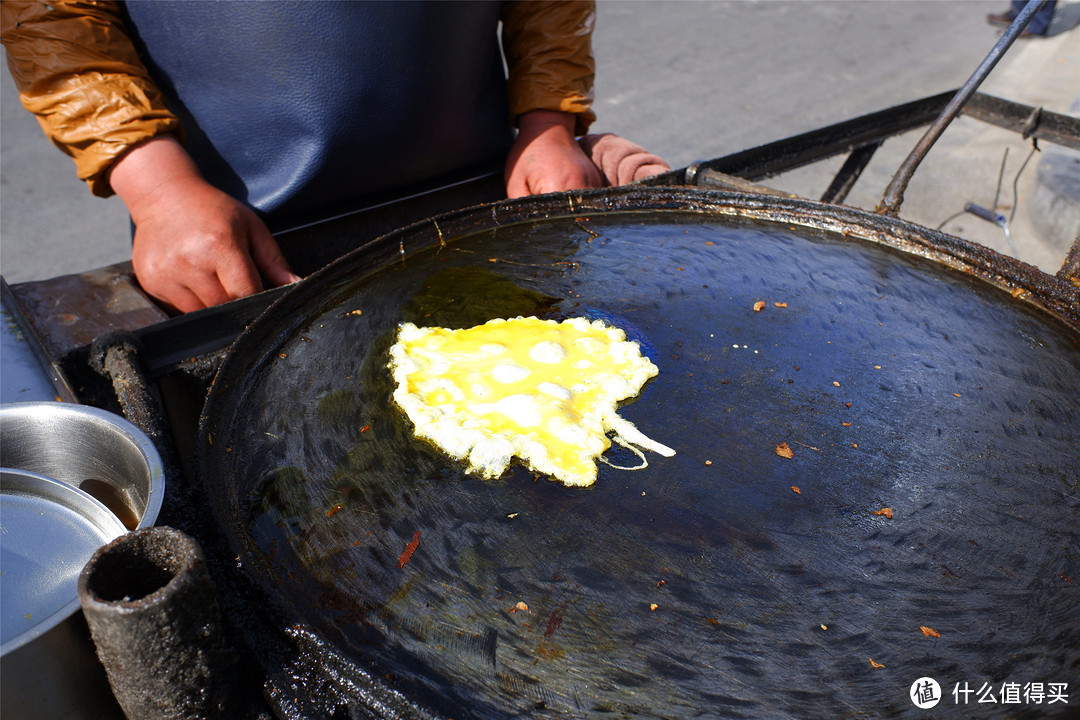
77, 70
548, 48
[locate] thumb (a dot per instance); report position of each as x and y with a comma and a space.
269, 259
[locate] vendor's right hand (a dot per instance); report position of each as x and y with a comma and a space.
195, 246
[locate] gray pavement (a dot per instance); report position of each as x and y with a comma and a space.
692, 81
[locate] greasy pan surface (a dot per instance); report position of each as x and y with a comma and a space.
727, 580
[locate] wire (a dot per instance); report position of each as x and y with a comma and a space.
1016, 180
949, 219
997, 192
1001, 174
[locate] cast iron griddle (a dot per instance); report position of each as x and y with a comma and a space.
727, 580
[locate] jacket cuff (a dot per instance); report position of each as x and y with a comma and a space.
95, 163
96, 118
579, 106
77, 70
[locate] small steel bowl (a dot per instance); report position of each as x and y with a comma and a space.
85, 468
51, 530
96, 451
47, 663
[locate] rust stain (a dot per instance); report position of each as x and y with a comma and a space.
409, 550
549, 652
554, 620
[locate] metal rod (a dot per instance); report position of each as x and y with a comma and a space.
847, 176
781, 156
1033, 122
894, 193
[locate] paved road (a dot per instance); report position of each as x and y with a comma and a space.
688, 80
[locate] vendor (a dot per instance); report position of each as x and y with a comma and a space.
219, 123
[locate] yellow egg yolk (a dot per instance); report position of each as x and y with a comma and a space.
541, 390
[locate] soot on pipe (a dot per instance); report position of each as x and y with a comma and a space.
155, 621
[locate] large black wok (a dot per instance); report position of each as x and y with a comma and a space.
903, 368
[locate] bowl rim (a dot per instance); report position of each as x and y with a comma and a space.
123, 426
49, 489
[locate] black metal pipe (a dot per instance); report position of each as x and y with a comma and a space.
894, 193
853, 167
117, 356
155, 621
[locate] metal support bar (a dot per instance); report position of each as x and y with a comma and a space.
894, 193
783, 155
1036, 122
847, 176
721, 181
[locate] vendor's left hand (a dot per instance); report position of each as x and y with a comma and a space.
547, 158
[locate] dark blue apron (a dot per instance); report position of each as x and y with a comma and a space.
299, 107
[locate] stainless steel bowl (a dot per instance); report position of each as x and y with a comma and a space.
94, 450
50, 531
82, 476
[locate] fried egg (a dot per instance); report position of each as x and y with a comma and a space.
541, 390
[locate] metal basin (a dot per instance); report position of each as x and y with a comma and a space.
74, 478
50, 530
94, 450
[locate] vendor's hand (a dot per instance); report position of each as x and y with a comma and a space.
621, 161
546, 157
195, 246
